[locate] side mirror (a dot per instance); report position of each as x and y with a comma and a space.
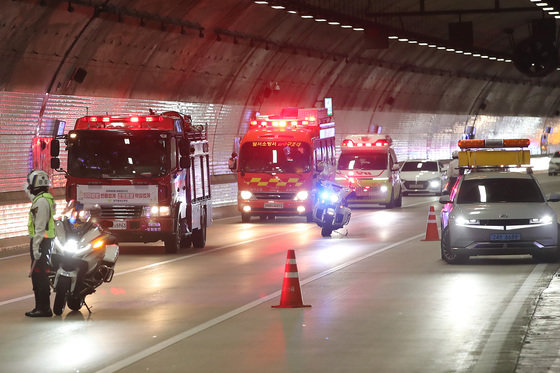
55, 148
185, 162
554, 197
444, 199
232, 164
55, 163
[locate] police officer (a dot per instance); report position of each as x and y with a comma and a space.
41, 233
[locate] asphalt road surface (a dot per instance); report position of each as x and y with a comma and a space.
382, 301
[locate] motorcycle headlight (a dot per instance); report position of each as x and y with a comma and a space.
302, 195
70, 246
245, 194
327, 195
547, 219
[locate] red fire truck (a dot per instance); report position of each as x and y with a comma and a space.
149, 173
281, 159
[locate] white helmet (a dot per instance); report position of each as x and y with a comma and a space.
37, 179
455, 154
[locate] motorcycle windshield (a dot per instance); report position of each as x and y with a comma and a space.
118, 154
275, 156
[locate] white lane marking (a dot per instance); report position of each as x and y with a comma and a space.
210, 323
493, 346
13, 300
13, 256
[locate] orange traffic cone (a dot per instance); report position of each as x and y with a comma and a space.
291, 291
431, 229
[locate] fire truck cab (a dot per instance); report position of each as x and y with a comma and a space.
281, 160
149, 173
368, 165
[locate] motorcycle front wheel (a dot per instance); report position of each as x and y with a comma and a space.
75, 302
326, 232
62, 288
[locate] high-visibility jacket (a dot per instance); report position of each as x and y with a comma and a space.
34, 213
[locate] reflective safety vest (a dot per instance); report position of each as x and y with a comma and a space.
49, 233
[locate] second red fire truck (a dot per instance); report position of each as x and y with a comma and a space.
281, 159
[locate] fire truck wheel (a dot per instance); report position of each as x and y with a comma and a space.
245, 218
176, 240
199, 235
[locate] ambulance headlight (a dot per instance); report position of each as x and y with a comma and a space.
383, 189
245, 194
435, 183
302, 195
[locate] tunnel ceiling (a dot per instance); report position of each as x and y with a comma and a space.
409, 55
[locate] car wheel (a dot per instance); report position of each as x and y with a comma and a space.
446, 254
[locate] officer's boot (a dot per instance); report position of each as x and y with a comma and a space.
43, 305
34, 308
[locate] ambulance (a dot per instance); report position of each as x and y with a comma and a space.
368, 166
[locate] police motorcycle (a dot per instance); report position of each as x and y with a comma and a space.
331, 211
83, 257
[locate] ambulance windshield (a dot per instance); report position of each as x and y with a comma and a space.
118, 154
362, 161
275, 156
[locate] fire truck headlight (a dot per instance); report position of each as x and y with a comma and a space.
245, 194
301, 209
246, 208
156, 211
435, 183
383, 188
302, 195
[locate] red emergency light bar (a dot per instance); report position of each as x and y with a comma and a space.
132, 122
350, 144
494, 143
280, 123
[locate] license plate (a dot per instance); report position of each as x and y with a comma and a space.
273, 205
416, 185
119, 224
505, 237
362, 193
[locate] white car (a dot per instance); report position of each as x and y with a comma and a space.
554, 164
496, 213
422, 176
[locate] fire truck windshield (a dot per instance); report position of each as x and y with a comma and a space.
118, 154
275, 156
362, 161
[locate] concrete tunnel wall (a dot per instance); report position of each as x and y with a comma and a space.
226, 66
